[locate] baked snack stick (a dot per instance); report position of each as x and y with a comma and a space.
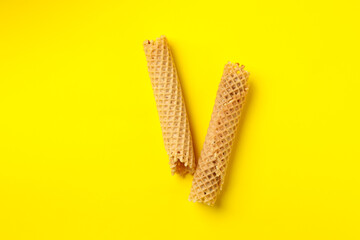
170, 106
211, 170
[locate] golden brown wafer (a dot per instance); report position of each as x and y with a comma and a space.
211, 170
170, 106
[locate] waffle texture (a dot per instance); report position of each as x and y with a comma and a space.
170, 106
210, 172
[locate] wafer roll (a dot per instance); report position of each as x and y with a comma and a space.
211, 170
170, 106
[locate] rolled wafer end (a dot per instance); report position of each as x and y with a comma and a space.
211, 170
170, 105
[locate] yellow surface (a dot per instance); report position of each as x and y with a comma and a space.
81, 152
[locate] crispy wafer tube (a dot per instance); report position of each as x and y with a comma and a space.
210, 172
170, 106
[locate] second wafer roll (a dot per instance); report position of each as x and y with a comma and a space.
211, 170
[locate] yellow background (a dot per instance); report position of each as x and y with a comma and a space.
81, 151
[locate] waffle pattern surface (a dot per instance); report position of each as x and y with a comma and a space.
170, 106
210, 172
